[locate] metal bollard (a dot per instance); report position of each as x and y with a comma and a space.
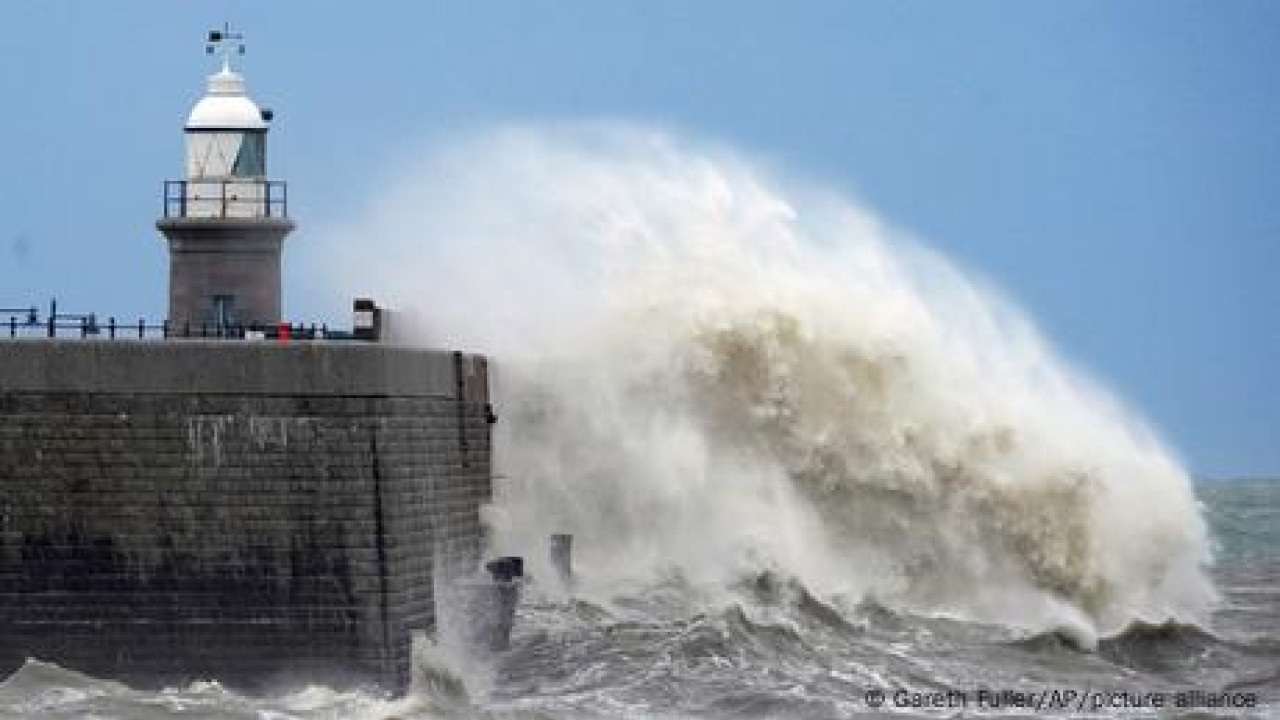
561, 550
486, 609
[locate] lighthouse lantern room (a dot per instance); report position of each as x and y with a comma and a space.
225, 221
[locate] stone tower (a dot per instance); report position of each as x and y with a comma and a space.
225, 222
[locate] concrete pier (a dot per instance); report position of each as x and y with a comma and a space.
251, 512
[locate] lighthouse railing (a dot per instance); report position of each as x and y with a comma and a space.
226, 198
19, 323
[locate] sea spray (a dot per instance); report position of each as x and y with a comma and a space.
706, 372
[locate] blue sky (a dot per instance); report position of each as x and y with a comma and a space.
1113, 166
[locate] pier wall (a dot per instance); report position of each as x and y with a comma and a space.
257, 513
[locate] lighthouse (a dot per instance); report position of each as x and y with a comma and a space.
225, 221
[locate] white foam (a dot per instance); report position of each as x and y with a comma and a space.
704, 369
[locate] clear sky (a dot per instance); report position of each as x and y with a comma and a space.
1113, 166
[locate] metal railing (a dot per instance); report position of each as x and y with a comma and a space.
28, 323
226, 198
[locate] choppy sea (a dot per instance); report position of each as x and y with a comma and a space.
777, 651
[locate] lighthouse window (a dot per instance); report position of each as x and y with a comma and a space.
251, 161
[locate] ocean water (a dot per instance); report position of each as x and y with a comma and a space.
812, 468
778, 651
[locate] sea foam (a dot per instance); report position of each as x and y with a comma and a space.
706, 369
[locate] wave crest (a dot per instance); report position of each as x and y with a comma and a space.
704, 369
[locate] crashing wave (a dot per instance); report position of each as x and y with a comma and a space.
707, 370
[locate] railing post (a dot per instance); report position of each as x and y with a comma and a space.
13, 326
111, 327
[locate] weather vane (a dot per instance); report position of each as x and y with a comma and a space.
225, 41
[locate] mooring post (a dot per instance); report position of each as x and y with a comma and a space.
561, 550
490, 606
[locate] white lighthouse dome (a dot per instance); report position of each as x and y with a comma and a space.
226, 106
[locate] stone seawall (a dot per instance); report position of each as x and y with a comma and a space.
250, 512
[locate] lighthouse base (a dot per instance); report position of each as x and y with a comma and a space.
224, 271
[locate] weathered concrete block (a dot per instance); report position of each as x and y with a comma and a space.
233, 510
